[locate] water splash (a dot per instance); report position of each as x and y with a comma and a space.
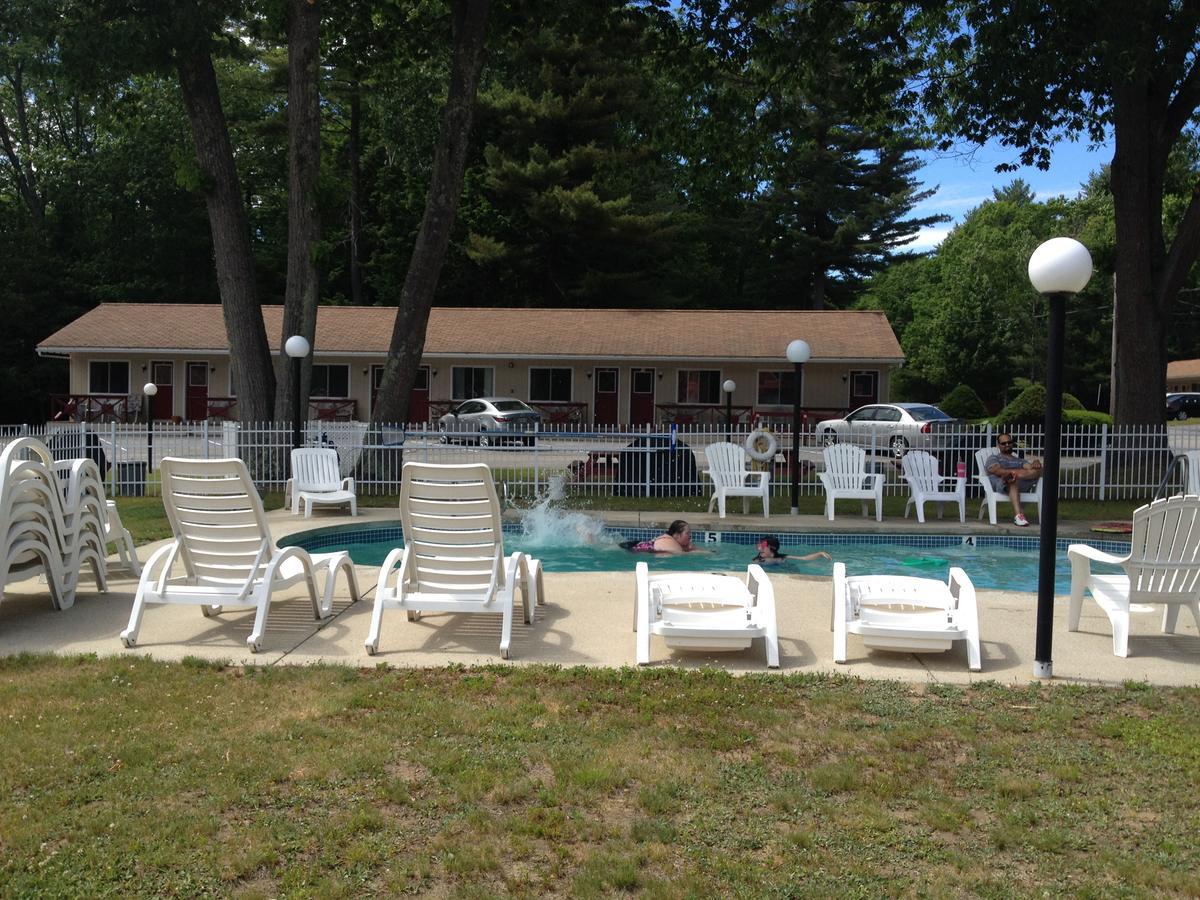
545, 525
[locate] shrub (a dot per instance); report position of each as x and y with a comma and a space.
1086, 417
1070, 401
963, 403
1027, 408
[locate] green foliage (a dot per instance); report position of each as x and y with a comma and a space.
1086, 417
1070, 401
963, 403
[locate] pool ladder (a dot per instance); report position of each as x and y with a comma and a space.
1159, 492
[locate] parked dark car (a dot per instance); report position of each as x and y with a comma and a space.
1183, 406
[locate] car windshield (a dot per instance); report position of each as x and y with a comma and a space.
926, 413
510, 406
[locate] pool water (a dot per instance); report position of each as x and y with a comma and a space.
575, 542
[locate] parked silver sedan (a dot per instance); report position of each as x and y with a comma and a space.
896, 426
490, 420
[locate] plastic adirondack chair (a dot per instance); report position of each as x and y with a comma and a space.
930, 486
316, 479
905, 614
224, 545
51, 520
732, 478
991, 496
1163, 566
453, 555
693, 611
846, 478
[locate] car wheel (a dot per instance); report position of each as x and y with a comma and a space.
443, 438
828, 438
1181, 416
484, 440
899, 446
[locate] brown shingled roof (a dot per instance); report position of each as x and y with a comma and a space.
1183, 368
552, 333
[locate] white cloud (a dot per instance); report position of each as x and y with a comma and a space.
927, 239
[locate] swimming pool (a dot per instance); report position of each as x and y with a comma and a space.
996, 562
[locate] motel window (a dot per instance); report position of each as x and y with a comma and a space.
699, 386
105, 377
469, 382
553, 385
330, 381
776, 388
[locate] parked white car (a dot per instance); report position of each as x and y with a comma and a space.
897, 426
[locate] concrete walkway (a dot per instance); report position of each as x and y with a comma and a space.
587, 621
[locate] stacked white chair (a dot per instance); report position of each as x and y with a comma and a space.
52, 516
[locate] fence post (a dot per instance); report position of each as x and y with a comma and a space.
204, 436
1103, 457
112, 469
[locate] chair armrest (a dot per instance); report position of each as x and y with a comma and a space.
1085, 551
348, 485
878, 479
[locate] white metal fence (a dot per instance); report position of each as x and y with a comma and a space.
1097, 463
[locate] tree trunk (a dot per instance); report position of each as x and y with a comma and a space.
441, 205
355, 148
304, 226
1141, 351
255, 377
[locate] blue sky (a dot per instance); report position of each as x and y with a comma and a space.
965, 180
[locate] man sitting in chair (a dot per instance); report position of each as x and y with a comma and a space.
1011, 474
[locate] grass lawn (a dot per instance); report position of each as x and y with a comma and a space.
127, 776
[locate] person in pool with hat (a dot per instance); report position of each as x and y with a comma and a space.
768, 553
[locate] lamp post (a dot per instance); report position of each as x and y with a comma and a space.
149, 389
798, 353
729, 387
1058, 268
297, 348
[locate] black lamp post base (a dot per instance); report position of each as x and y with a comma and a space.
1043, 669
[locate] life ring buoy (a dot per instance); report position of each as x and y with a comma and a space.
761, 445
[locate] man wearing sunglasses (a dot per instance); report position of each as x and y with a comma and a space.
1010, 474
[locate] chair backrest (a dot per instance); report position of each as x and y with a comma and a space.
922, 468
726, 464
1164, 558
981, 473
451, 520
217, 518
845, 465
315, 469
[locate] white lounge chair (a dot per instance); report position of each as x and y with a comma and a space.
927, 485
116, 533
50, 524
1163, 566
991, 496
905, 614
846, 478
453, 555
224, 545
317, 480
731, 477
695, 611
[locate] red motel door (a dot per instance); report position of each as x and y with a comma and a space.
197, 392
641, 396
605, 397
163, 376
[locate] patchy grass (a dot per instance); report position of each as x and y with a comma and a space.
128, 776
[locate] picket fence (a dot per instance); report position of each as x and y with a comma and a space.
1098, 463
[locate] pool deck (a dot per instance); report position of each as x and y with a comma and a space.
587, 618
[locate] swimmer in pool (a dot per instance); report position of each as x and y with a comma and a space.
768, 553
677, 539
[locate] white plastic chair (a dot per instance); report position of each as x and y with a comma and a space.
224, 544
991, 496
1162, 567
731, 477
927, 485
116, 533
845, 478
695, 611
453, 555
317, 480
905, 614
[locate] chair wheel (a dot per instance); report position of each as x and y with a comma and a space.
128, 641
371, 651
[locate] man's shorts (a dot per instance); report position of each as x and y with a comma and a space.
998, 485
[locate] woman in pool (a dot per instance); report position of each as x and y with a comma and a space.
677, 539
768, 553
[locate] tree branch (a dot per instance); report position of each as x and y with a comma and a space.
1183, 253
1182, 106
